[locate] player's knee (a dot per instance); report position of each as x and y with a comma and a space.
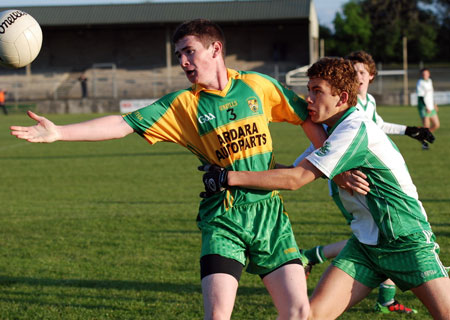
436, 125
318, 313
296, 312
217, 314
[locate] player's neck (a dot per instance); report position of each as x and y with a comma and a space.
331, 121
362, 97
220, 80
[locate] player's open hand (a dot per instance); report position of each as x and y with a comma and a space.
43, 131
353, 181
214, 179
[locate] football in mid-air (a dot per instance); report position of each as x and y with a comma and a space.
20, 38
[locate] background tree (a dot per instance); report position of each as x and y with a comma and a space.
442, 8
378, 26
330, 42
352, 29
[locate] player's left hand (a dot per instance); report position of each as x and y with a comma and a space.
214, 179
353, 181
420, 133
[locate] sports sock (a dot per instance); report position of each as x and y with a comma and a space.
386, 294
315, 255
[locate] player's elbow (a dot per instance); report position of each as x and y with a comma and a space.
293, 182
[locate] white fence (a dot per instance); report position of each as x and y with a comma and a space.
440, 97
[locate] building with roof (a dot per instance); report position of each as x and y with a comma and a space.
270, 36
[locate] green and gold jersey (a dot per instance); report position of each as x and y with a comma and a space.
229, 128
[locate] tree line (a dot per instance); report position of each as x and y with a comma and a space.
378, 26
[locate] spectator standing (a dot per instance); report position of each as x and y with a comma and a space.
2, 101
83, 83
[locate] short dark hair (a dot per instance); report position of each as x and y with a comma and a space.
205, 30
365, 58
424, 69
340, 74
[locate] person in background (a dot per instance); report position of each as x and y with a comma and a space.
428, 109
83, 83
366, 71
2, 101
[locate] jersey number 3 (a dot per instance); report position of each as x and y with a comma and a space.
231, 114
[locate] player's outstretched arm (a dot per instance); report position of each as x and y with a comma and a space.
284, 179
45, 131
216, 179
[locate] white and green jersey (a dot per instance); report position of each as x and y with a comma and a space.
369, 108
425, 90
392, 208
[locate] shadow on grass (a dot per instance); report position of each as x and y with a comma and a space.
101, 284
37, 301
185, 288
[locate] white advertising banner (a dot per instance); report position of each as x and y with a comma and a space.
440, 97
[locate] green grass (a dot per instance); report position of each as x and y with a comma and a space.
107, 230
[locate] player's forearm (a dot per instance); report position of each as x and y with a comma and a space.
105, 128
284, 179
393, 128
315, 132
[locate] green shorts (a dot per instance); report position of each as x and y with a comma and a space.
260, 231
423, 110
408, 261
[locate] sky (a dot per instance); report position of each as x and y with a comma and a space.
326, 9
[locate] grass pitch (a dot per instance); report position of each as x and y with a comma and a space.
106, 230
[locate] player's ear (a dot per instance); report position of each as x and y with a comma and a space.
343, 98
217, 48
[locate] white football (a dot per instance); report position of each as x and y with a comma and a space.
20, 38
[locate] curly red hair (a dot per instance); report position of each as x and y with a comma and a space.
340, 74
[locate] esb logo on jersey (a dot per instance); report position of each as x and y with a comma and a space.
206, 117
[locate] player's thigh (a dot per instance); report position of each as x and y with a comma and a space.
336, 292
219, 293
435, 295
287, 287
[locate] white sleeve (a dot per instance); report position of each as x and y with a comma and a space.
389, 128
429, 96
420, 88
345, 148
305, 153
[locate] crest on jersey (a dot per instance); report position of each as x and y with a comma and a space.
324, 149
253, 104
